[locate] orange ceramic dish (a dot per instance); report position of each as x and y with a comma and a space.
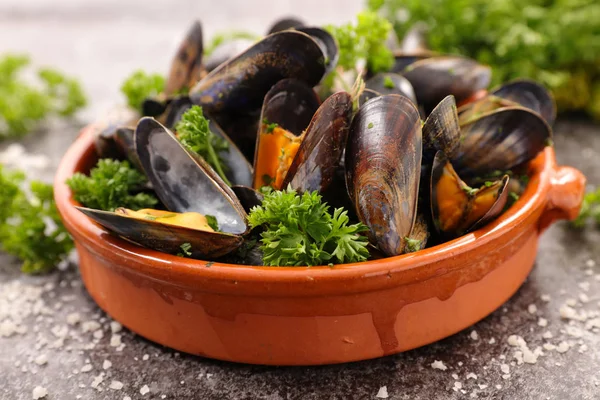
319, 315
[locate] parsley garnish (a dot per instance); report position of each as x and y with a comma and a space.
299, 230
111, 184
139, 86
388, 82
185, 250
194, 132
212, 222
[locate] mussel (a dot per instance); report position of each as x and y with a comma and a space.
383, 161
184, 183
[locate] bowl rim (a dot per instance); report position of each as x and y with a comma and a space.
184, 271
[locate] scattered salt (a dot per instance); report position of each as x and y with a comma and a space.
115, 327
145, 357
116, 385
457, 386
106, 365
474, 335
584, 298
549, 346
532, 308
144, 390
73, 318
97, 381
563, 347
115, 340
543, 322
438, 365
39, 393
590, 263
585, 286
492, 341
571, 302
471, 375
41, 359
545, 297
382, 393
505, 368
547, 335
86, 368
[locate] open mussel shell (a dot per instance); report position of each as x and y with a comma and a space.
241, 83
105, 129
383, 161
185, 67
441, 130
327, 44
284, 24
390, 83
319, 154
155, 106
455, 207
500, 140
529, 94
437, 77
291, 105
166, 238
124, 139
472, 111
183, 181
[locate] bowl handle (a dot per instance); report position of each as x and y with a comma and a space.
567, 188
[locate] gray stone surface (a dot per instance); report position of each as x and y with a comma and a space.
101, 42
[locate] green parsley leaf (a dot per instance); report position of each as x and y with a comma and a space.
194, 132
23, 104
212, 222
30, 226
140, 85
412, 245
111, 184
223, 37
270, 126
388, 82
185, 250
299, 230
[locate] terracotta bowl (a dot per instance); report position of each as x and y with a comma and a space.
319, 315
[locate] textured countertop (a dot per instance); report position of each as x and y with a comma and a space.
68, 346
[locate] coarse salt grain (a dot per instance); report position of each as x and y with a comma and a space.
126, 398
482, 386
115, 340
115, 327
545, 297
145, 357
90, 326
106, 365
532, 308
39, 392
590, 263
86, 368
471, 375
457, 386
438, 365
547, 335
585, 286
492, 341
505, 368
382, 393
455, 376
144, 390
116, 385
41, 359
97, 381
543, 322
474, 335
584, 298
562, 347
73, 318
571, 302
549, 346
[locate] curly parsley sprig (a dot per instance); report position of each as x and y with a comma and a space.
299, 230
30, 226
111, 184
139, 86
194, 132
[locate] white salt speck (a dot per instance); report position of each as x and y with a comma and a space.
86, 368
115, 327
585, 286
382, 393
482, 386
460, 363
506, 376
590, 263
106, 365
455, 376
115, 340
582, 349
474, 335
90, 326
126, 398
584, 298
498, 387
182, 382
39, 393
547, 335
73, 318
545, 297
97, 381
492, 341
574, 331
457, 386
571, 302
208, 376
116, 385
532, 308
589, 272
549, 346
99, 334
144, 390
438, 365
502, 356
543, 322
471, 375
41, 359
505, 368
563, 347
145, 357
163, 396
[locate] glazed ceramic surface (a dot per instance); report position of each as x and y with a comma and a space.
318, 315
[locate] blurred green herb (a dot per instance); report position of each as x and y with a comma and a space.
224, 37
30, 226
185, 250
590, 209
554, 42
111, 184
141, 85
24, 104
